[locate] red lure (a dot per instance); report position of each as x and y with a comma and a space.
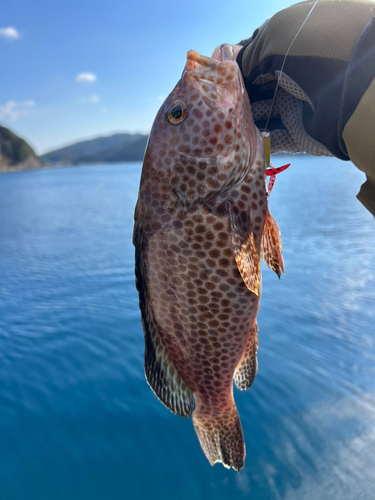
272, 172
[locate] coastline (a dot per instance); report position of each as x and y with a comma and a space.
50, 166
23, 168
6, 169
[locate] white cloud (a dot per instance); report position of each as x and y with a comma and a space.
92, 99
12, 110
86, 77
28, 104
10, 33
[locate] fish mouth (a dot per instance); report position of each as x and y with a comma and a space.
199, 67
221, 69
216, 78
224, 52
198, 59
203, 67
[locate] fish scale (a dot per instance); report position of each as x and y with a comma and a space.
199, 228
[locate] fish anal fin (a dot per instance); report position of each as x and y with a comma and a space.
271, 246
164, 379
247, 367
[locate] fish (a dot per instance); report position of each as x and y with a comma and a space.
202, 224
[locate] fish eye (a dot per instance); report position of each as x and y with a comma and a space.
176, 112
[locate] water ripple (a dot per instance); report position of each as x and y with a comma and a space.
78, 419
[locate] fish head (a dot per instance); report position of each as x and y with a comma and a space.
203, 131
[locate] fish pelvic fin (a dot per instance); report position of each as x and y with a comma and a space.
247, 367
248, 264
245, 253
220, 436
271, 246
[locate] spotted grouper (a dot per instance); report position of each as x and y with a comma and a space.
201, 225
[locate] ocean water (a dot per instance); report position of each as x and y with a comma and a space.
78, 420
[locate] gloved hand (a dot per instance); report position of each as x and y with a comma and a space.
325, 102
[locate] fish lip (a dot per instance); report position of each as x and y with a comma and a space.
224, 52
200, 77
204, 74
197, 66
205, 61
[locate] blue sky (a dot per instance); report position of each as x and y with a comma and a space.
131, 55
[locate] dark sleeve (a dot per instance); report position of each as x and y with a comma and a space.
326, 93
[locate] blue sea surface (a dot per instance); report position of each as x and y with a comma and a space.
78, 420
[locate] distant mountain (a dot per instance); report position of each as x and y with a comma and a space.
114, 148
15, 153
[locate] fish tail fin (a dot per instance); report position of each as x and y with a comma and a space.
220, 436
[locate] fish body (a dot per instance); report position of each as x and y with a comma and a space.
201, 224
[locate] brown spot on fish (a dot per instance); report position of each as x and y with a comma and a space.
197, 114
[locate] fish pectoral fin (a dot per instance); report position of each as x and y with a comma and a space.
271, 245
245, 254
246, 370
164, 379
199, 181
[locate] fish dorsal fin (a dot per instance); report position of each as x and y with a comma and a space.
247, 367
271, 245
245, 252
161, 373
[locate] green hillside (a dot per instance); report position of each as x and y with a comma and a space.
15, 153
115, 148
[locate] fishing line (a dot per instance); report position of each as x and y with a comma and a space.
286, 55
